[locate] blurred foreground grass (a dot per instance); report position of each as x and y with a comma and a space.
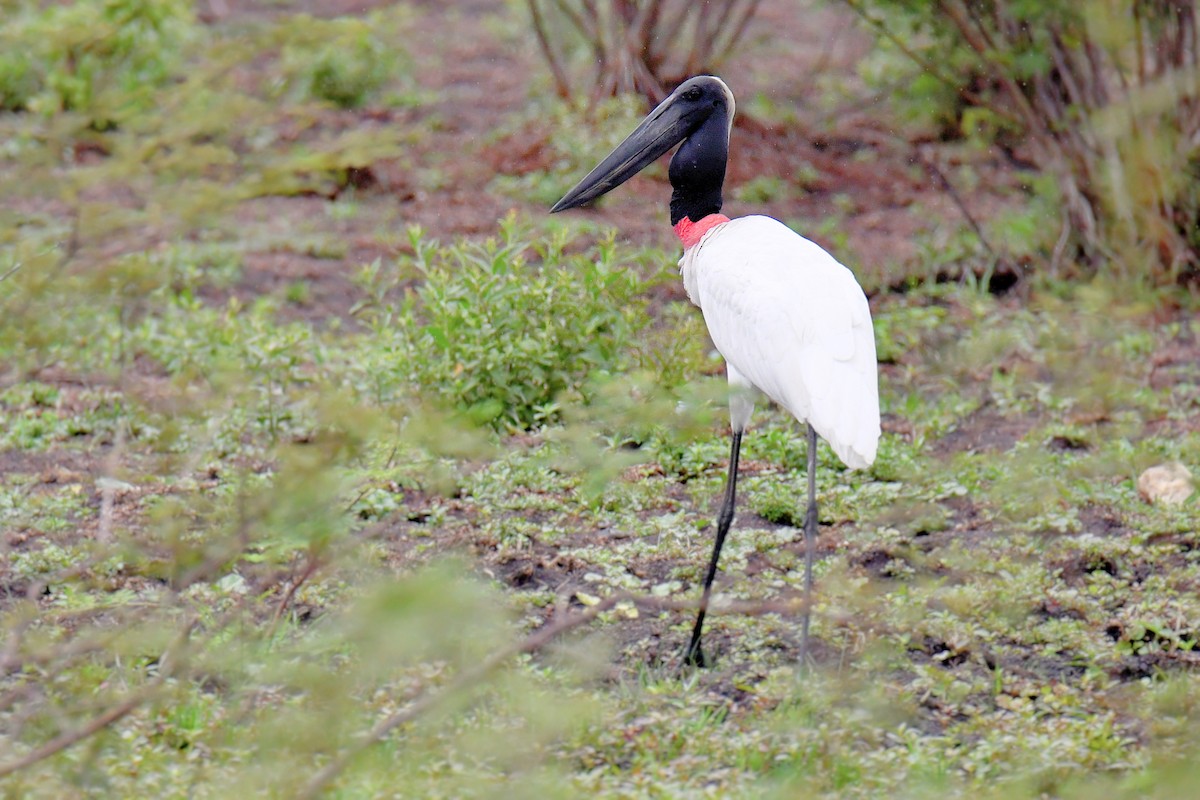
225, 531
245, 538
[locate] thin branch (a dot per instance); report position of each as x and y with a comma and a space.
978, 43
99, 723
643, 27
1060, 247
66, 654
593, 29
927, 65
78, 734
366, 490
531, 643
108, 484
739, 30
699, 37
561, 84
670, 33
948, 187
311, 564
12, 270
466, 679
1058, 159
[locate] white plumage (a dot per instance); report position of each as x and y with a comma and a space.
790, 320
792, 323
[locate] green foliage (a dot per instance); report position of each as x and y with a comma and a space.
226, 500
160, 127
763, 189
344, 61
900, 331
18, 80
1096, 93
275, 545
506, 340
99, 59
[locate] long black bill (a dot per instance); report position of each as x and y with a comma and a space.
666, 126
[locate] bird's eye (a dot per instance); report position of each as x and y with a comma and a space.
692, 94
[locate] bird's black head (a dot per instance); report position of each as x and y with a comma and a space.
701, 98
698, 113
697, 170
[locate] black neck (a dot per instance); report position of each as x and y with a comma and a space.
697, 170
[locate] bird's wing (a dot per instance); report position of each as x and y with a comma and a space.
795, 323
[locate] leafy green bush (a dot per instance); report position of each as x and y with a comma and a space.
18, 80
342, 61
345, 75
96, 58
504, 339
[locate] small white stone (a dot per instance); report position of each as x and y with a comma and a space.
113, 485
665, 589
233, 583
1169, 484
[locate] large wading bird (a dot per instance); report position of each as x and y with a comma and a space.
790, 321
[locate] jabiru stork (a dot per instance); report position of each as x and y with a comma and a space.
790, 321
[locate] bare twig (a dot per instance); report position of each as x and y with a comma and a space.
927, 65
102, 721
562, 84
466, 679
975, 39
311, 563
78, 734
640, 46
12, 270
670, 31
366, 490
932, 168
738, 30
63, 655
108, 484
1060, 247
535, 641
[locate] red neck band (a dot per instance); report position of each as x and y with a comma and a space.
691, 232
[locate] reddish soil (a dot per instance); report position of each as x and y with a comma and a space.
857, 167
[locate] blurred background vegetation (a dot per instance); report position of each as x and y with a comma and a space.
331, 466
1100, 96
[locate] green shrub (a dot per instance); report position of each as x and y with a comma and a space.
904, 329
345, 76
19, 80
343, 61
504, 339
95, 58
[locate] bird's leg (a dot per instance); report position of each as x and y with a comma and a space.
810, 541
694, 656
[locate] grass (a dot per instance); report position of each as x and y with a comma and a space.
992, 616
243, 525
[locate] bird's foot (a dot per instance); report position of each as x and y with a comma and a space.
694, 657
